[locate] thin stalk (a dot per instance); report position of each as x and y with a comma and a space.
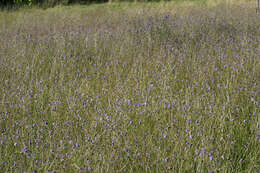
257, 8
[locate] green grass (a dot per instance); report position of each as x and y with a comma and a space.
154, 87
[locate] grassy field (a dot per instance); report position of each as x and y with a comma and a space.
141, 87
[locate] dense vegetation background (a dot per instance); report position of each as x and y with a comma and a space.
44, 2
51, 3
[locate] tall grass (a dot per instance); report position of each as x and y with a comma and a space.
140, 89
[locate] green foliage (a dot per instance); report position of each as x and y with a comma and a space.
52, 3
27, 2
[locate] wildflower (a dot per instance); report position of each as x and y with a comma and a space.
166, 159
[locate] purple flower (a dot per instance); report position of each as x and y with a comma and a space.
24, 150
166, 159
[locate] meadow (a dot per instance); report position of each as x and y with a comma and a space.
131, 87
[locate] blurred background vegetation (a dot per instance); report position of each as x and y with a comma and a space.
14, 4
52, 3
